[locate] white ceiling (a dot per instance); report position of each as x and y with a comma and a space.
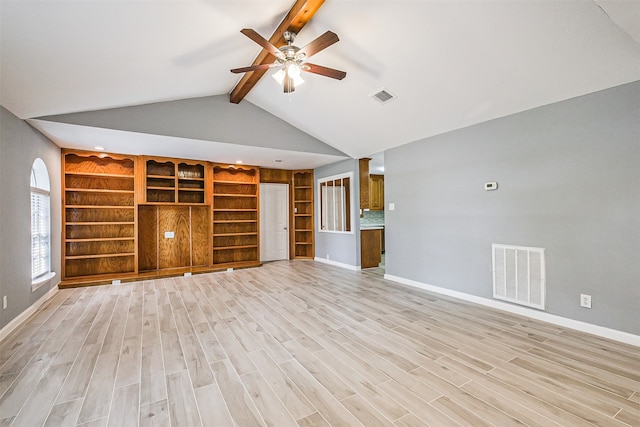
450, 63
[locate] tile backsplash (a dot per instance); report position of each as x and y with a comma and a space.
372, 218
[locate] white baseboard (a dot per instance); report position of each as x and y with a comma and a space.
338, 264
17, 321
600, 331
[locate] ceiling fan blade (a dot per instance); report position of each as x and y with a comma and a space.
324, 71
322, 42
252, 68
253, 35
288, 84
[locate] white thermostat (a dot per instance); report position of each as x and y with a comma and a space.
489, 186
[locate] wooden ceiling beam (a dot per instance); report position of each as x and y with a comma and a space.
300, 13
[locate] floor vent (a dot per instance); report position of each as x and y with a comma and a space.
383, 96
519, 275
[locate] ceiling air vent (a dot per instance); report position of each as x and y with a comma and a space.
383, 96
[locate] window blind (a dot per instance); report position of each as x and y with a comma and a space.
40, 233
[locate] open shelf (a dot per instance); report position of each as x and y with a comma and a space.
302, 239
235, 215
174, 181
99, 214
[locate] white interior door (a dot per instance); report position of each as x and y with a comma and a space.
274, 222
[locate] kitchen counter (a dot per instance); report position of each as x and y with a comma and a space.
371, 226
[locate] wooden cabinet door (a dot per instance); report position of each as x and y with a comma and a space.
174, 237
376, 192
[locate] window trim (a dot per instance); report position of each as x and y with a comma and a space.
40, 185
319, 182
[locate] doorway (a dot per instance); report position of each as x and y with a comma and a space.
274, 222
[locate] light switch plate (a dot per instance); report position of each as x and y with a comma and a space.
392, 206
490, 186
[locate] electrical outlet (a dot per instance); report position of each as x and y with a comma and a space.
187, 274
585, 301
4, 302
116, 282
327, 256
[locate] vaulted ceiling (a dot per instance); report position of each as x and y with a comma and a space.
451, 64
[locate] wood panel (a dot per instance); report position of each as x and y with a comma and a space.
98, 214
98, 164
275, 176
147, 238
174, 252
191, 242
99, 231
200, 235
99, 247
90, 266
98, 182
90, 198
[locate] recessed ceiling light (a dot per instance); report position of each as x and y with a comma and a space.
277, 161
239, 162
97, 147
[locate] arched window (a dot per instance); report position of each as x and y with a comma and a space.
40, 223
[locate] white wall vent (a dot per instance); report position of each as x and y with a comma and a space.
383, 96
519, 275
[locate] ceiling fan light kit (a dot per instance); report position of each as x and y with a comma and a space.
292, 59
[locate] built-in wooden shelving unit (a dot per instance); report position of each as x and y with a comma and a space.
133, 217
174, 215
170, 181
303, 214
99, 221
236, 216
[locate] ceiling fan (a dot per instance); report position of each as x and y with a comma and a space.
293, 59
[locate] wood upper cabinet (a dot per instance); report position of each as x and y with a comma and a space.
363, 165
171, 181
376, 192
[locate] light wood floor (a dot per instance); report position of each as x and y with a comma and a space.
301, 343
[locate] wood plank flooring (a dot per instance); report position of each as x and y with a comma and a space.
303, 344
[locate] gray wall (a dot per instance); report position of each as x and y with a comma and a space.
210, 118
20, 145
569, 181
341, 247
